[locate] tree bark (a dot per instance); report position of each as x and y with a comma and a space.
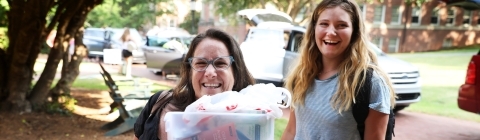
70, 69
41, 88
24, 30
3, 75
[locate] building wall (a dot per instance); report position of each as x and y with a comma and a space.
209, 20
180, 9
423, 36
392, 37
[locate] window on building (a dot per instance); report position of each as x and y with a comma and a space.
378, 14
416, 11
435, 18
450, 17
377, 41
396, 16
467, 14
172, 23
447, 43
393, 45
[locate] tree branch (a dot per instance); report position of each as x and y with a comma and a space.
62, 6
278, 5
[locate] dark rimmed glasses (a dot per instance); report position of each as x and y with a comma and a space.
219, 63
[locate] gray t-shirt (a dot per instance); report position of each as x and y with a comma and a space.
317, 120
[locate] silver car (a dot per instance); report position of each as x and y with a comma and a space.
281, 41
167, 60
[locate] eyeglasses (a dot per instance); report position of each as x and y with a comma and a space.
219, 63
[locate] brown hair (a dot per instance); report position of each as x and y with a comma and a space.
358, 58
183, 93
126, 33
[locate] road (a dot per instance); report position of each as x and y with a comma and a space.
408, 126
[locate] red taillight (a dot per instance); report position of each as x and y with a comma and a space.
471, 74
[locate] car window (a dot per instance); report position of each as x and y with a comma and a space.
270, 17
375, 49
156, 41
187, 41
286, 38
296, 42
95, 33
117, 34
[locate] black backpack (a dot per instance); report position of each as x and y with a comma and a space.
360, 109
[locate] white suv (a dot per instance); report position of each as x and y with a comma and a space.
270, 49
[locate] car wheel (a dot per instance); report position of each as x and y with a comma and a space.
398, 108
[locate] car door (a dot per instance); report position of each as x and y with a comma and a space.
264, 52
291, 52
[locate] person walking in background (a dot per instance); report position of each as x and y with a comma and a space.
334, 64
213, 64
128, 45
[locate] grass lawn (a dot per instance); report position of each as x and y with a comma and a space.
100, 84
441, 74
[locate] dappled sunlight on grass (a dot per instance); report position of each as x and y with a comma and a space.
97, 83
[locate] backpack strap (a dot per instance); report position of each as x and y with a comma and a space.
361, 108
162, 100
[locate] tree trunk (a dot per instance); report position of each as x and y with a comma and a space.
70, 69
41, 88
3, 75
25, 26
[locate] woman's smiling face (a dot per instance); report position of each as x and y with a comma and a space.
333, 32
212, 81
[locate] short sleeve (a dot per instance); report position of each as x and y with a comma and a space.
380, 94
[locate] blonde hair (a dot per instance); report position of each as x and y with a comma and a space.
126, 35
352, 70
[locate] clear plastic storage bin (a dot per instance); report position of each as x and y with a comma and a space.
218, 126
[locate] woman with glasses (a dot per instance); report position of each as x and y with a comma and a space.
213, 64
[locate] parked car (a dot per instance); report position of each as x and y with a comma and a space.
281, 41
469, 92
97, 39
168, 60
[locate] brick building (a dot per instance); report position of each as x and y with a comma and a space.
395, 26
208, 19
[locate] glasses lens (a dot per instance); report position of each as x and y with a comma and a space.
222, 63
199, 64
